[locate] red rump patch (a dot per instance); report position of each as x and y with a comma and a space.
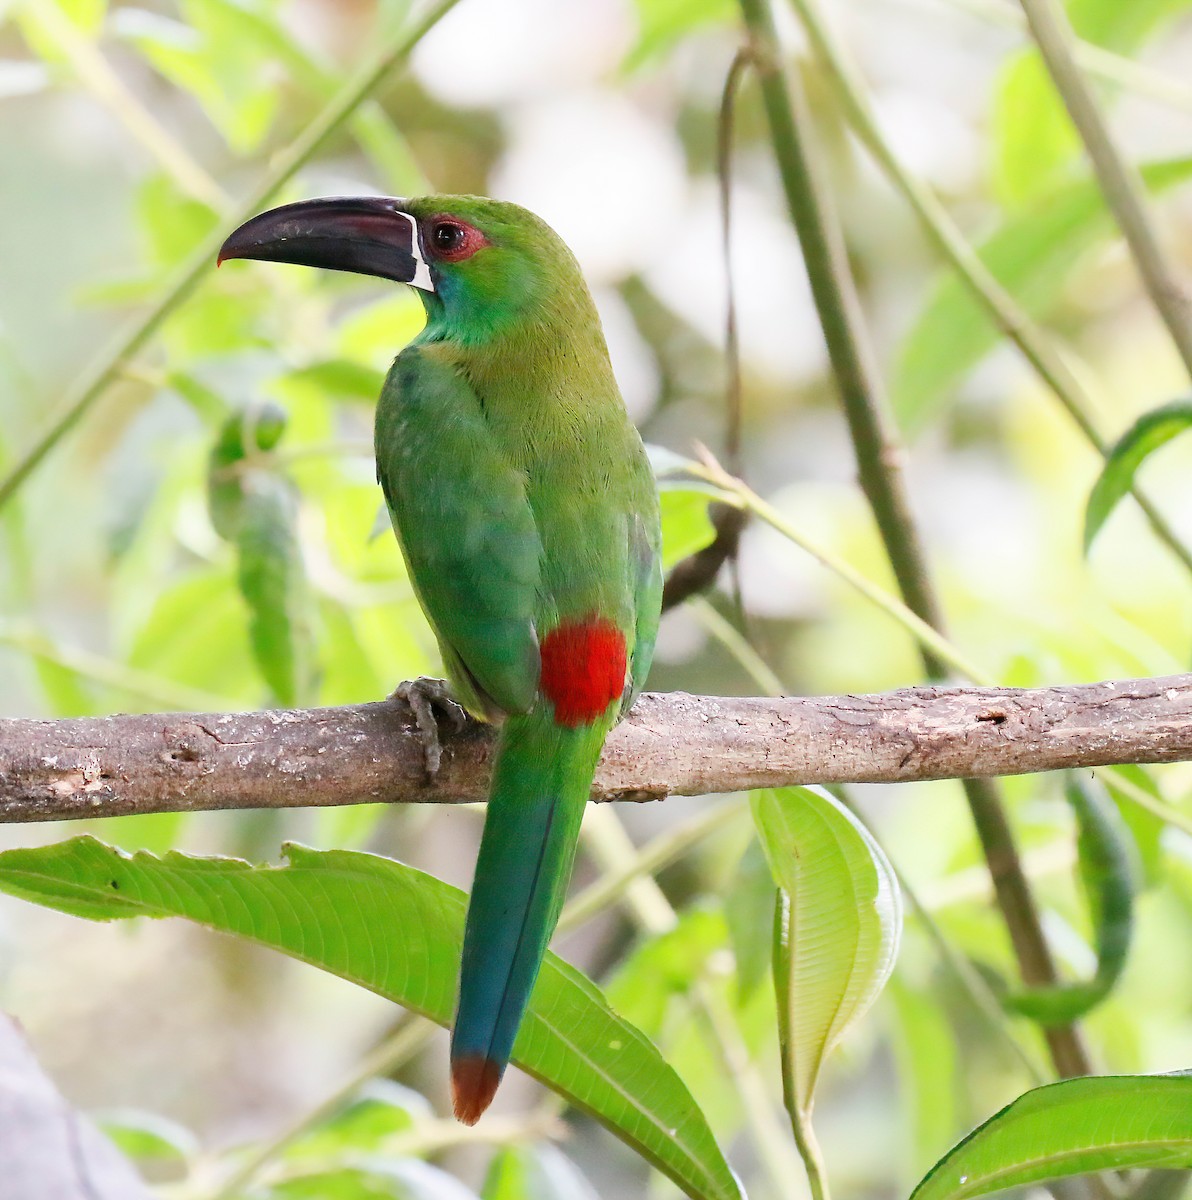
583, 669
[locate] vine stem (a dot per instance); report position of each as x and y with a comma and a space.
970, 981
879, 464
406, 1041
931, 641
106, 85
1000, 307
95, 380
1119, 180
610, 846
1096, 60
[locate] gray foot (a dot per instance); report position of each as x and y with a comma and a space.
425, 697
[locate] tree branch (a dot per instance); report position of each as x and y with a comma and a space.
669, 745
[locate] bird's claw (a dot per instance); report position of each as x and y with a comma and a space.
425, 696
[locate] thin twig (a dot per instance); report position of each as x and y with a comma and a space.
968, 978
697, 572
119, 677
95, 380
999, 306
932, 643
741, 63
649, 859
403, 1044
94, 71
879, 463
653, 913
1096, 60
675, 744
1119, 180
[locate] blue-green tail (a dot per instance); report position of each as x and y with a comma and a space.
541, 782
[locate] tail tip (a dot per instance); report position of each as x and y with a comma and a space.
474, 1081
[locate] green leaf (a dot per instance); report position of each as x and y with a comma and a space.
1109, 882
925, 1047
255, 430
1032, 255
686, 527
144, 1135
401, 1179
1151, 431
210, 57
257, 511
398, 932
194, 634
664, 966
1033, 136
1034, 140
1146, 827
340, 378
1098, 1123
86, 16
171, 222
273, 583
749, 909
535, 1172
663, 23
379, 1110
838, 929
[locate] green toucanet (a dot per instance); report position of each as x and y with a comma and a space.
524, 505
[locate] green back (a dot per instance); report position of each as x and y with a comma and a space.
518, 487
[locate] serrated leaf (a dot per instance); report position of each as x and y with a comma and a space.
398, 932
839, 927
1151, 431
1108, 878
1098, 1123
1032, 255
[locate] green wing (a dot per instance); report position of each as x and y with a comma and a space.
645, 542
465, 528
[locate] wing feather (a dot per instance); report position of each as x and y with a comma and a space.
465, 527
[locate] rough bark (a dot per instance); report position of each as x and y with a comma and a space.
672, 744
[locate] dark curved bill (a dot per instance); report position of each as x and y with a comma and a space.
368, 235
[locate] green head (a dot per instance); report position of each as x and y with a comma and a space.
481, 265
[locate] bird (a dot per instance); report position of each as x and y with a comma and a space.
526, 511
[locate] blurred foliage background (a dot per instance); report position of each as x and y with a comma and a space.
138, 573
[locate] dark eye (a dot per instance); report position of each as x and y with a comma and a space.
450, 240
447, 236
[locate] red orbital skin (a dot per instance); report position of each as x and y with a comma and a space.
583, 669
